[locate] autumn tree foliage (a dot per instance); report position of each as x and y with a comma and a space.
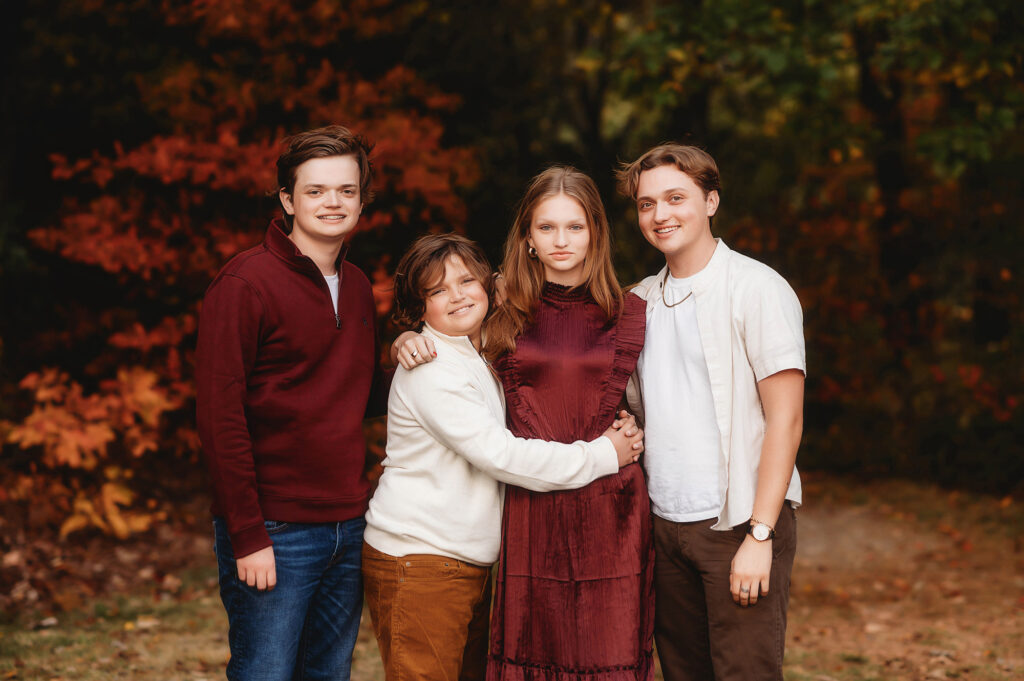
870, 151
155, 212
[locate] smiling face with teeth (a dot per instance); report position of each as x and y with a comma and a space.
674, 215
325, 203
457, 304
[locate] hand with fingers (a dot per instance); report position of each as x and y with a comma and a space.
258, 569
412, 349
627, 437
751, 568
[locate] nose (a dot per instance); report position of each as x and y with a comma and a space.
561, 237
660, 212
333, 197
456, 293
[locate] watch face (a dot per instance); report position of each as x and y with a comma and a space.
761, 532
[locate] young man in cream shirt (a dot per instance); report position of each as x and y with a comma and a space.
720, 387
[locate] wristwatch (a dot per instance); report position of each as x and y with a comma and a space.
760, 531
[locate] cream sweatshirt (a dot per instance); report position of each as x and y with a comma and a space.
448, 453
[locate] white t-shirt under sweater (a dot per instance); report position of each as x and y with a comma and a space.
447, 450
332, 284
683, 447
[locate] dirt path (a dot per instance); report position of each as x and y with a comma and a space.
892, 582
898, 581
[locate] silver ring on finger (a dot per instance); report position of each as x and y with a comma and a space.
744, 590
413, 353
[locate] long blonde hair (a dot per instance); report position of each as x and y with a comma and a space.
524, 276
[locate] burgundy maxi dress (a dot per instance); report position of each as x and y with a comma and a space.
574, 596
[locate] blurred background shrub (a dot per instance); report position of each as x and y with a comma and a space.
871, 151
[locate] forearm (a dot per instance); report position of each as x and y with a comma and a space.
225, 356
453, 411
782, 398
533, 464
778, 458
229, 460
547, 466
227, 449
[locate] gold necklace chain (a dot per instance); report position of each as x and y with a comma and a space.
664, 285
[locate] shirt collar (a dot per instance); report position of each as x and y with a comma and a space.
716, 265
700, 281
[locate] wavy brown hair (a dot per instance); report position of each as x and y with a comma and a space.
524, 276
423, 266
693, 161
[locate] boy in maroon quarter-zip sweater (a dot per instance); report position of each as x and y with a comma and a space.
286, 365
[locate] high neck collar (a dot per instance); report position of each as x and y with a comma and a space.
460, 343
557, 293
279, 244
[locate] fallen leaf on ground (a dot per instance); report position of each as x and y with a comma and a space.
147, 622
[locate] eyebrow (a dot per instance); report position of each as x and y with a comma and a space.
542, 218
324, 186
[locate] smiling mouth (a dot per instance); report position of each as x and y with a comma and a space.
661, 231
462, 310
332, 218
561, 255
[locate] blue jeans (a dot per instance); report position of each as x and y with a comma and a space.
304, 628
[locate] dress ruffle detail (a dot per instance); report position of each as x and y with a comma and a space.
630, 330
629, 341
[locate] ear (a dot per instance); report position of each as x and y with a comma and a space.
286, 201
712, 202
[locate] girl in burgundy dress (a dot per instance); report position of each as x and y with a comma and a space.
574, 589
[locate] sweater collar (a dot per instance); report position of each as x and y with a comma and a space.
460, 344
278, 243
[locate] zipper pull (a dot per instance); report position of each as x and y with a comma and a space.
337, 320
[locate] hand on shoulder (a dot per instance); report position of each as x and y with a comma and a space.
412, 349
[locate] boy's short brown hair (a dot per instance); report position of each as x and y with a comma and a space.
691, 160
333, 140
423, 265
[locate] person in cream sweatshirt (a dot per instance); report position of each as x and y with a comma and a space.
433, 524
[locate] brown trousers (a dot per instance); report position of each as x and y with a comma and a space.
430, 615
700, 633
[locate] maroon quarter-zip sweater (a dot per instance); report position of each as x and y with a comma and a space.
283, 380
